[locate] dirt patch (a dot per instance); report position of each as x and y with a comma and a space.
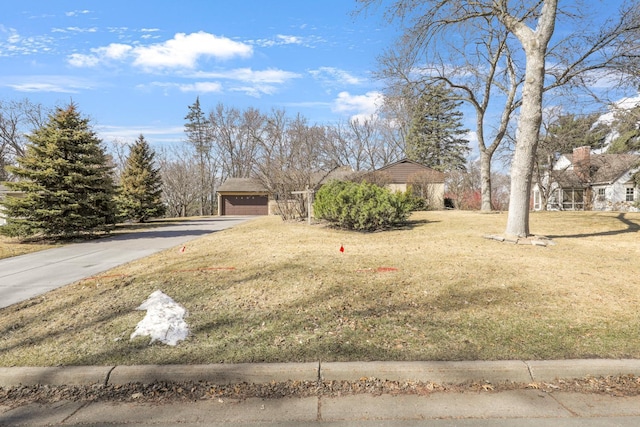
624, 385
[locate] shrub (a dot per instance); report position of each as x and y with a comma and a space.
361, 206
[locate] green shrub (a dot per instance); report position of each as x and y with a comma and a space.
363, 206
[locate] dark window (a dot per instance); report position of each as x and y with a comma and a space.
630, 195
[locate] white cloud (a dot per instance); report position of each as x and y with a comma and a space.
255, 91
270, 75
288, 39
201, 87
77, 12
183, 51
360, 105
283, 40
47, 83
623, 104
115, 51
154, 134
332, 75
42, 87
75, 30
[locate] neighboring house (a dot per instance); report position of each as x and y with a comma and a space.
586, 181
247, 196
400, 175
4, 192
243, 196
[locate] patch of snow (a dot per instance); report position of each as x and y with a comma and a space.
164, 320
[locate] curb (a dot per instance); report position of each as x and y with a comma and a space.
436, 372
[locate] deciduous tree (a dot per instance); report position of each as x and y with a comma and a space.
521, 45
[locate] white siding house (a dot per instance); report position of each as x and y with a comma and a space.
585, 181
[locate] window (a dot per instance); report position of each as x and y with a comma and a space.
630, 194
572, 199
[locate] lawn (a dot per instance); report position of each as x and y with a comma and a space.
11, 247
270, 291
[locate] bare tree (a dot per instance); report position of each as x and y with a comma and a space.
17, 119
292, 158
180, 183
364, 143
436, 49
236, 134
522, 31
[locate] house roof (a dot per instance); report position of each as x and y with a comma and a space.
341, 173
402, 170
242, 185
604, 169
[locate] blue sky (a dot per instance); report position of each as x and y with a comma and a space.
134, 67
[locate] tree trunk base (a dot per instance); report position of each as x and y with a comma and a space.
516, 240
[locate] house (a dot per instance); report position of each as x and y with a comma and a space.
585, 181
400, 175
243, 196
4, 192
248, 196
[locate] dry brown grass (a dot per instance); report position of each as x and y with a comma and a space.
273, 291
12, 247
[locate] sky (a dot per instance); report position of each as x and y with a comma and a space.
134, 67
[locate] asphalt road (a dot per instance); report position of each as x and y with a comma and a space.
27, 276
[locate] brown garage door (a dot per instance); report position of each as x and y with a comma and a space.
245, 205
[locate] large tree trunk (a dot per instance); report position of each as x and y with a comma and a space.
485, 180
526, 145
535, 45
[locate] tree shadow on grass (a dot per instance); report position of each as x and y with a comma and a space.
632, 227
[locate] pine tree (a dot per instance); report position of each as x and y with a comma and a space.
435, 137
198, 136
66, 180
140, 195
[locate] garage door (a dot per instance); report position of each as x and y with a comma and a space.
245, 205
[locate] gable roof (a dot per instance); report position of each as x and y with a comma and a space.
403, 169
603, 169
242, 185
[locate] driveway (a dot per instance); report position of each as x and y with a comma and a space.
34, 274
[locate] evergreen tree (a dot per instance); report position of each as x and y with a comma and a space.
435, 137
627, 124
198, 136
67, 183
140, 195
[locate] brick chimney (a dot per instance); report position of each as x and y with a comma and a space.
582, 163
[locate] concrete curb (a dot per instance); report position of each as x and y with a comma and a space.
436, 372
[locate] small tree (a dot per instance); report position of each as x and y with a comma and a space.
67, 183
140, 195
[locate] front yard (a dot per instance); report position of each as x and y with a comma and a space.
436, 290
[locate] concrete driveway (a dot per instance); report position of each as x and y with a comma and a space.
34, 274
